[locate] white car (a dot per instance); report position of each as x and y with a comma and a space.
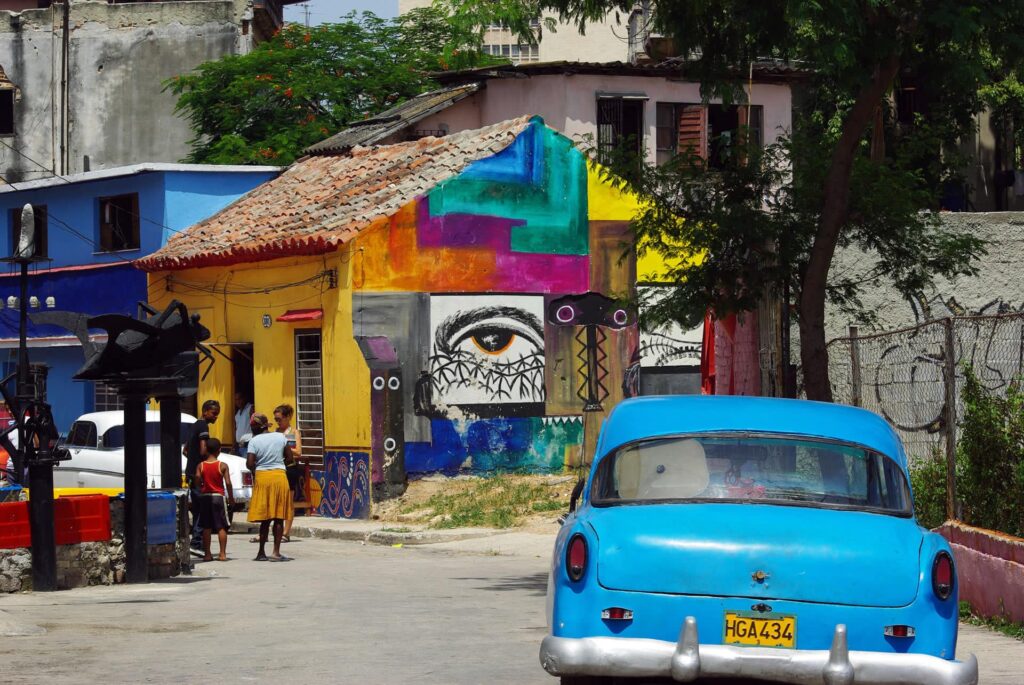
96, 444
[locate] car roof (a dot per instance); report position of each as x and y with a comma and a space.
651, 416
105, 420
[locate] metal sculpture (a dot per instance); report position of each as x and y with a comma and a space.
156, 355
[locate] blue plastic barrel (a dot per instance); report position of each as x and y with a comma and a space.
161, 517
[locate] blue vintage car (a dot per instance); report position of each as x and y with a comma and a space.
752, 538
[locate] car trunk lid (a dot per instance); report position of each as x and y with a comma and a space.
806, 554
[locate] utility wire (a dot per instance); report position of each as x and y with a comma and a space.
67, 180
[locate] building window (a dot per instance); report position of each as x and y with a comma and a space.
309, 393
7, 112
709, 131
119, 223
105, 398
40, 229
620, 125
516, 53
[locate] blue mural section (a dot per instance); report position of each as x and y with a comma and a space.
344, 485
522, 444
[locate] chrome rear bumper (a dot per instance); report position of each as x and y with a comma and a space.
688, 660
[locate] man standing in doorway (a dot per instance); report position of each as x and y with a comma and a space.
243, 410
195, 453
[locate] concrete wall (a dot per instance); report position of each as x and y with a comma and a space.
997, 288
990, 570
569, 103
120, 56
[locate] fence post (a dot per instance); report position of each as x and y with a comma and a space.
949, 357
855, 367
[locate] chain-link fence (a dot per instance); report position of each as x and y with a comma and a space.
907, 376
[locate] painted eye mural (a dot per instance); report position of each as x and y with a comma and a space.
488, 350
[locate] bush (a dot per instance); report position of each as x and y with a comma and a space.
990, 479
928, 480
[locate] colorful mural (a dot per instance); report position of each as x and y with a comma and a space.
441, 272
469, 286
344, 485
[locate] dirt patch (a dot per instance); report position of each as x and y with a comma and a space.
528, 502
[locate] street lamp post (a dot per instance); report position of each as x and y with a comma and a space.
28, 412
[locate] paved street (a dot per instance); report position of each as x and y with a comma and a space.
469, 611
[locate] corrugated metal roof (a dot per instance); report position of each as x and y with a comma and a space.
322, 202
765, 71
376, 129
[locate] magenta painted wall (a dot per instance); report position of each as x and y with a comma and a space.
990, 568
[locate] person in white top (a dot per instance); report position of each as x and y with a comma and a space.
268, 455
243, 410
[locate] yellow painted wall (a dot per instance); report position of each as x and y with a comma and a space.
233, 317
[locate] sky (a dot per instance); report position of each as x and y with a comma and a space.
321, 11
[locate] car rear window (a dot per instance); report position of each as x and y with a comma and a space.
746, 468
114, 437
82, 434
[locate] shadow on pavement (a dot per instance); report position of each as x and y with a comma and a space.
535, 583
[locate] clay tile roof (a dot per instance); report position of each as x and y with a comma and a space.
321, 203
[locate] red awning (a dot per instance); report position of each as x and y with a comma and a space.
302, 315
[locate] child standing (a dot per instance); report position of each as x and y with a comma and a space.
214, 487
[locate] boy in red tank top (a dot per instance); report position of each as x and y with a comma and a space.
214, 488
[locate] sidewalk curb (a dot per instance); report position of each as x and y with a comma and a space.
375, 537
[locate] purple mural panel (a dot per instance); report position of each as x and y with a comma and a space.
539, 272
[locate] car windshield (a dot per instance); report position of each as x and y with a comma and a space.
114, 437
779, 470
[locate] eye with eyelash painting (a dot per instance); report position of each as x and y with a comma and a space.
488, 354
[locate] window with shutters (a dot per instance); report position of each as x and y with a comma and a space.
119, 223
708, 131
620, 124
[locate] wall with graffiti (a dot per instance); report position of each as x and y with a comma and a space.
489, 313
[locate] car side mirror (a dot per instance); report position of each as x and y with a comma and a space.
576, 492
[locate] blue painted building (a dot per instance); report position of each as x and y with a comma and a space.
97, 223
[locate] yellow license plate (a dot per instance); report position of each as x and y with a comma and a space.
759, 631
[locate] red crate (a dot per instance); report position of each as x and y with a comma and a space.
14, 531
81, 518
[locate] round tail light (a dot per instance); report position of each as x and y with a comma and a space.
576, 557
942, 575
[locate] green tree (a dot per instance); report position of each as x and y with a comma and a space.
305, 84
846, 177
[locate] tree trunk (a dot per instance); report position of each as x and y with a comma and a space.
813, 355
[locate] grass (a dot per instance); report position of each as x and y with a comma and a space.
398, 529
501, 501
998, 624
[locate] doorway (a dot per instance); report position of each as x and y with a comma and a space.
242, 379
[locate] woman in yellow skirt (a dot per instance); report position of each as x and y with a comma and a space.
268, 455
